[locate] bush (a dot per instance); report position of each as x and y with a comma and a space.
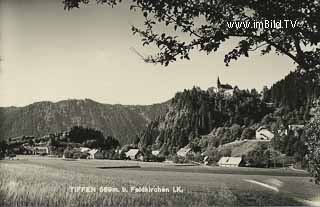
248, 133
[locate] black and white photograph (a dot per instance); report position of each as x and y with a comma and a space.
156, 103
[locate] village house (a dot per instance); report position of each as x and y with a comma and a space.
230, 162
262, 133
75, 153
183, 152
84, 149
155, 152
134, 154
95, 154
40, 150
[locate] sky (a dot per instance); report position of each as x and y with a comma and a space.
49, 54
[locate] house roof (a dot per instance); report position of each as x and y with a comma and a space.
93, 151
295, 126
226, 86
42, 144
223, 86
132, 152
84, 149
230, 161
183, 151
265, 132
261, 128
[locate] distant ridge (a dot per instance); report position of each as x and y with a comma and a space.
123, 122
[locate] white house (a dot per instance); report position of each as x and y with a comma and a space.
183, 152
95, 154
155, 152
84, 149
230, 162
262, 133
134, 154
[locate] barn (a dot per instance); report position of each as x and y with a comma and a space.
134, 154
231, 162
183, 152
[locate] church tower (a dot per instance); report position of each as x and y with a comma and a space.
218, 83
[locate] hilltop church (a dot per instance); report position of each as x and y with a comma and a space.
222, 88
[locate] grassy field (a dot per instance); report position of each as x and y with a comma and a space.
47, 182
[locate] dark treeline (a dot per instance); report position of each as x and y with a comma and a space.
91, 138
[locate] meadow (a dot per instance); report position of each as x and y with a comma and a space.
48, 182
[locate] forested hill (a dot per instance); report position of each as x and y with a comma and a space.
294, 91
123, 122
196, 112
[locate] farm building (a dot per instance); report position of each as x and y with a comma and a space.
183, 152
230, 162
262, 133
75, 153
40, 150
84, 149
96, 154
134, 154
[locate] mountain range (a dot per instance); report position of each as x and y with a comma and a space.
124, 122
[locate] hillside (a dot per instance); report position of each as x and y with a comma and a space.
197, 112
294, 92
207, 119
241, 148
123, 122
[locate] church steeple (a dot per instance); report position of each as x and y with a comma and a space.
218, 83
